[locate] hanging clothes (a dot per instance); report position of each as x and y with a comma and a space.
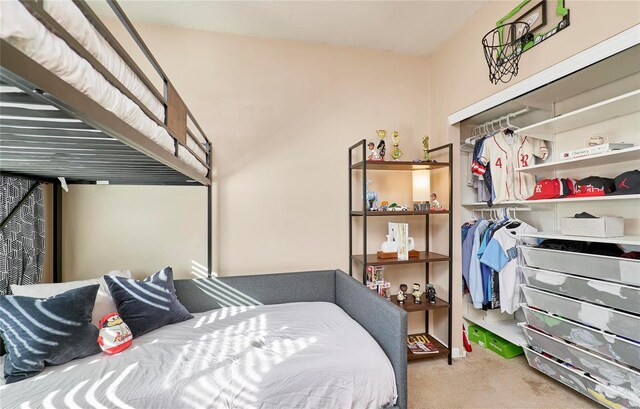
500, 255
505, 152
22, 234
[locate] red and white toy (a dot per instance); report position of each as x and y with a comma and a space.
115, 336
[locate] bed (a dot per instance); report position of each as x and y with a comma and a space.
59, 65
310, 339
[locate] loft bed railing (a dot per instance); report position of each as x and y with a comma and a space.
51, 128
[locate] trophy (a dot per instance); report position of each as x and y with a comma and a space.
381, 145
396, 154
425, 150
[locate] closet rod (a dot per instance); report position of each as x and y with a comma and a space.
484, 126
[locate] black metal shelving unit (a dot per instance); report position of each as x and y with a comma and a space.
426, 257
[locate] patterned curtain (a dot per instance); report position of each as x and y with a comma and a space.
22, 237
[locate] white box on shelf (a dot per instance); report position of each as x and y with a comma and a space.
598, 227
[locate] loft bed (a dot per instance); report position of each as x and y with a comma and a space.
87, 113
75, 105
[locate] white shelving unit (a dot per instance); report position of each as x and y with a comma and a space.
559, 200
617, 156
602, 111
628, 240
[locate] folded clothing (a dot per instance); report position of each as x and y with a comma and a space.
564, 245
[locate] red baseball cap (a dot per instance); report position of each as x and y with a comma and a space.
546, 189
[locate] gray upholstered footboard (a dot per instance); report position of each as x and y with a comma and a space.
386, 322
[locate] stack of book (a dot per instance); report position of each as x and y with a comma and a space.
595, 150
420, 345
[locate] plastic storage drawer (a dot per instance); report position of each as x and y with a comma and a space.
614, 295
611, 397
610, 345
620, 270
617, 322
478, 335
615, 374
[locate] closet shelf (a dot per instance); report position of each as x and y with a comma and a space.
628, 240
611, 108
507, 329
442, 350
407, 213
617, 156
400, 165
410, 306
423, 257
560, 200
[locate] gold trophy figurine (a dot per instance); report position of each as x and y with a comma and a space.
425, 155
396, 154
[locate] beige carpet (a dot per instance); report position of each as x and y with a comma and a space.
486, 380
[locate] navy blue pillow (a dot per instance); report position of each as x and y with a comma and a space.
47, 331
149, 304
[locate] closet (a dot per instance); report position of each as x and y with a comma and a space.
580, 294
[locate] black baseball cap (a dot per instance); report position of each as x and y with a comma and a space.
627, 183
594, 186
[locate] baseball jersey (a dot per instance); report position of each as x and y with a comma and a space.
505, 153
501, 255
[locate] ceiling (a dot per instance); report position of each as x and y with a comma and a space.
410, 27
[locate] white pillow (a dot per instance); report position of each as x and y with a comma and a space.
104, 302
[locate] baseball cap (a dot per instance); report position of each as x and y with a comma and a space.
546, 189
627, 183
593, 186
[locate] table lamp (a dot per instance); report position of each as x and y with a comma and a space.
421, 190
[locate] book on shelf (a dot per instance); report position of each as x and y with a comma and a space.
420, 345
595, 150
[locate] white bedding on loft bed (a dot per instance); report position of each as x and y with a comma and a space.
302, 355
27, 34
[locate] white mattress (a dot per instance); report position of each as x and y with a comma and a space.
300, 355
23, 31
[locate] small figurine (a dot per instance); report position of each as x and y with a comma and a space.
373, 155
381, 145
416, 293
401, 297
396, 154
431, 293
435, 204
425, 150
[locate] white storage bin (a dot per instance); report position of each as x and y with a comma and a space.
620, 296
614, 373
600, 227
609, 396
613, 346
620, 270
608, 319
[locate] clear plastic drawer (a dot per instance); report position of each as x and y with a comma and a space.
597, 366
608, 395
620, 270
614, 295
618, 348
607, 319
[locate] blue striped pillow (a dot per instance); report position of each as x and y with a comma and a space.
149, 304
47, 331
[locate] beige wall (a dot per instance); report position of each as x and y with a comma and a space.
458, 77
281, 115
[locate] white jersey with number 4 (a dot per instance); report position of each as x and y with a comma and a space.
505, 153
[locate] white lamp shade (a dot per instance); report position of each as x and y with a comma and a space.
421, 186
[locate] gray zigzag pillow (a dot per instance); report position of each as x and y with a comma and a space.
149, 304
47, 331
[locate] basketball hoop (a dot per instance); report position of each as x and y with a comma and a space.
503, 48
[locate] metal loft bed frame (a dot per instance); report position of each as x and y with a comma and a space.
82, 141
